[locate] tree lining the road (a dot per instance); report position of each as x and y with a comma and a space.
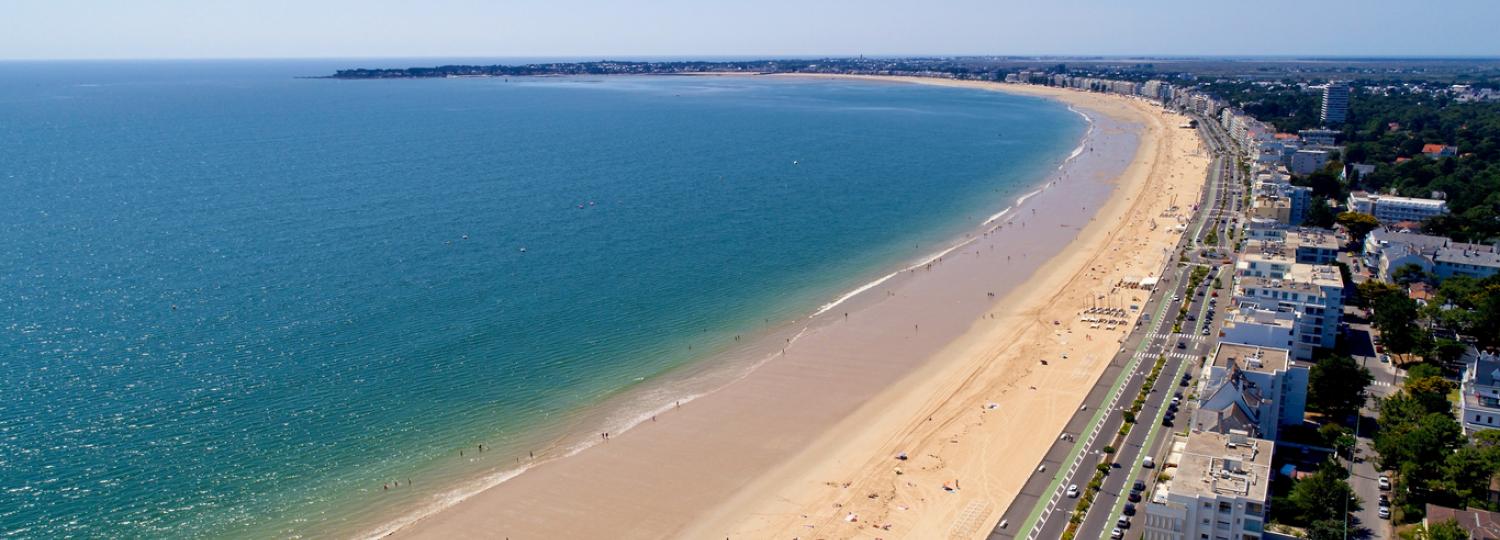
1423, 443
1336, 386
1317, 502
1396, 317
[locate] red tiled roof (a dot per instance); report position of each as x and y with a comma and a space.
1480, 524
1432, 148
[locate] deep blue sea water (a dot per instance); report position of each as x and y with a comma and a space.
235, 303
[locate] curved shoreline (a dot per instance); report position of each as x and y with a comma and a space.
980, 414
803, 324
425, 522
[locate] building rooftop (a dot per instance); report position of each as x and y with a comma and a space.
1481, 524
1409, 201
1468, 256
1483, 369
1251, 357
1315, 238
1301, 278
1429, 245
1249, 315
1215, 464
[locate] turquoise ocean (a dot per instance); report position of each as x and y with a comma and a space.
239, 303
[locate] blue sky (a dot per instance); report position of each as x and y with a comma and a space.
47, 29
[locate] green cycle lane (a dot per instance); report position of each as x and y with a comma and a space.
1135, 468
1081, 442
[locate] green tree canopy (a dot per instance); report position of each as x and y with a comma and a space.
1323, 495
1336, 386
1357, 224
1411, 273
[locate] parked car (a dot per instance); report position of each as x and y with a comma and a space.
1124, 522
1147, 462
1385, 483
1117, 533
1139, 486
1135, 497
1129, 509
1384, 512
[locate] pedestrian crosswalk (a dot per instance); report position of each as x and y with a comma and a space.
1193, 338
1143, 355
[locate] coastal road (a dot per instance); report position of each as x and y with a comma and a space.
1151, 435
1042, 508
1046, 500
1225, 212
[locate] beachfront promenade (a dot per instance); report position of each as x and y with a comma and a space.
1042, 509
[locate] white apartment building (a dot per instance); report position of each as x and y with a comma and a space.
1252, 389
1312, 245
1393, 209
1219, 490
1307, 161
1480, 407
1387, 250
1285, 304
1335, 104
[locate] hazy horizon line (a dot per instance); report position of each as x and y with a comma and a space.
745, 57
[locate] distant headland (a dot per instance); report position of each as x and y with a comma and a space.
993, 68
605, 67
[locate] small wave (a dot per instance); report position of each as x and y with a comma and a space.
1082, 141
853, 293
997, 216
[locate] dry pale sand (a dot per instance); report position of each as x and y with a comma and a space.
941, 416
807, 438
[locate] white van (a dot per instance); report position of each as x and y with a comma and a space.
1148, 463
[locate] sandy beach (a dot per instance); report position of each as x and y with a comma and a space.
941, 362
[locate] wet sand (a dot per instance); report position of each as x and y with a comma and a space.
806, 437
